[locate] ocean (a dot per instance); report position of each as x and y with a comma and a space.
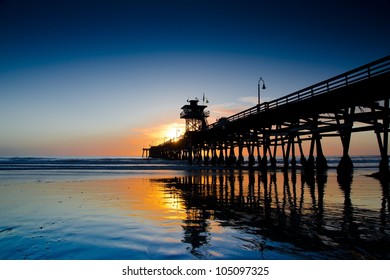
151, 209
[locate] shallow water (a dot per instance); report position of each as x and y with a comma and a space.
176, 213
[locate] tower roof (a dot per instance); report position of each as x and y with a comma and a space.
193, 111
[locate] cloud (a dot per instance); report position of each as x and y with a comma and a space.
249, 99
230, 108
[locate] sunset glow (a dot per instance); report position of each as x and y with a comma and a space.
174, 132
110, 79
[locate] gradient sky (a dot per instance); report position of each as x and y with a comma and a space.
106, 78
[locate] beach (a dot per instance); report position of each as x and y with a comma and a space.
146, 209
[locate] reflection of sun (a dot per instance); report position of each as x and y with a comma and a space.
139, 197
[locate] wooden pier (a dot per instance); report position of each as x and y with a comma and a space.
352, 102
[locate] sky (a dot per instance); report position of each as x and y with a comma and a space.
108, 78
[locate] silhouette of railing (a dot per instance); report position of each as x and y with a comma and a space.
365, 72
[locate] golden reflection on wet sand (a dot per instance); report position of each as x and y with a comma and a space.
217, 214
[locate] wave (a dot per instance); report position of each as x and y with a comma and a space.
114, 163
358, 161
134, 163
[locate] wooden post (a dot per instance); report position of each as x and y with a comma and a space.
345, 165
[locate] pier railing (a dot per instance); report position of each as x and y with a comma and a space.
359, 74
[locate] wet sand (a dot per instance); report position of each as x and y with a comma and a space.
193, 215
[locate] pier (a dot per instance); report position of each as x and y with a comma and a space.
352, 102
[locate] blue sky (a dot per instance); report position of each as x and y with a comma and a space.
109, 77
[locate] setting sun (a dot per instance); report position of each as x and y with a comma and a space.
173, 131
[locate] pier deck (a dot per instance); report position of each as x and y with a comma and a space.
355, 101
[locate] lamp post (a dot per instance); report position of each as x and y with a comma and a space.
258, 89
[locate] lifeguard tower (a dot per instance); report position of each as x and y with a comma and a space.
195, 115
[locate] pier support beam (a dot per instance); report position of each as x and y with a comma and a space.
232, 157
302, 159
206, 157
273, 155
290, 148
189, 154
384, 143
345, 165
221, 158
251, 156
263, 162
240, 160
258, 153
145, 152
293, 158
320, 163
286, 155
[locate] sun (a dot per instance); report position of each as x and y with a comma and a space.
173, 131
170, 133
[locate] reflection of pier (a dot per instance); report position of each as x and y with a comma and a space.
355, 101
283, 207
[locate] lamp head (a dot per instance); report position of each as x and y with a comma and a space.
261, 80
